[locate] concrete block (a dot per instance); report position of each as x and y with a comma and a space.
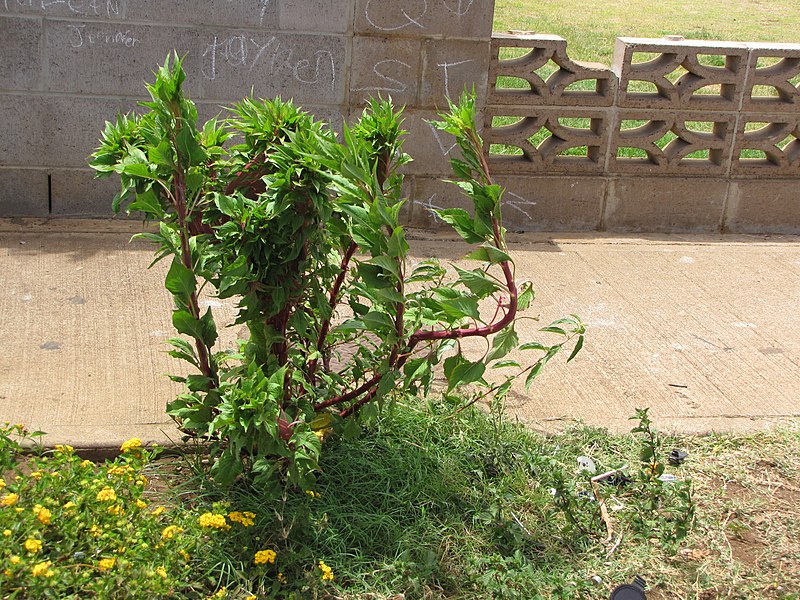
430, 148
546, 49
706, 135
685, 59
430, 193
23, 122
552, 203
78, 9
385, 66
775, 137
665, 204
76, 192
547, 140
771, 206
21, 65
233, 13
73, 127
769, 87
328, 16
425, 18
113, 59
23, 193
307, 68
449, 67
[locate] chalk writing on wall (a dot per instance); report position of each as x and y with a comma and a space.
241, 52
80, 37
109, 9
391, 15
387, 82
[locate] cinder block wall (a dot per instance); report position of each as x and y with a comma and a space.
679, 135
69, 65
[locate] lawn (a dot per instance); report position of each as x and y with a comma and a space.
590, 28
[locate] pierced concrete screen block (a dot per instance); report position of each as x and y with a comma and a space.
538, 140
535, 69
692, 74
670, 142
767, 145
773, 78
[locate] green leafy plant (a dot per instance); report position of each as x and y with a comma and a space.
664, 506
304, 232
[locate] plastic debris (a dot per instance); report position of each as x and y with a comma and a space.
630, 591
668, 478
597, 579
676, 457
586, 464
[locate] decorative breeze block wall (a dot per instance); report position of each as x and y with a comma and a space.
684, 135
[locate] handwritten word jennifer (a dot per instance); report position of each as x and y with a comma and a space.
79, 37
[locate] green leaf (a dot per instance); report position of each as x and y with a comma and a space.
462, 222
149, 203
537, 368
377, 320
501, 364
489, 254
534, 346
477, 282
460, 371
186, 324
209, 329
577, 348
461, 307
180, 281
503, 343
526, 296
386, 263
226, 468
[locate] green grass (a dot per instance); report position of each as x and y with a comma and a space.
427, 503
590, 28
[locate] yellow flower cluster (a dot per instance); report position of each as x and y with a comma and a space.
107, 494
327, 572
106, 563
131, 445
9, 499
120, 470
312, 494
36, 474
42, 514
64, 448
161, 572
214, 521
170, 531
42, 569
265, 556
246, 518
69, 505
33, 546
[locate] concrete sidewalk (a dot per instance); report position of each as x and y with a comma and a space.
702, 329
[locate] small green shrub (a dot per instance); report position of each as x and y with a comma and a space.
304, 232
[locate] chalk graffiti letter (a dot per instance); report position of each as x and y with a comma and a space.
393, 15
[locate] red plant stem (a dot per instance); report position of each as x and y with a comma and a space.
332, 301
355, 407
186, 253
351, 394
186, 260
